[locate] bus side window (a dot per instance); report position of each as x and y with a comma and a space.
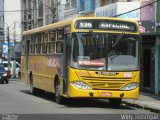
45, 43
32, 45
52, 40
59, 42
75, 50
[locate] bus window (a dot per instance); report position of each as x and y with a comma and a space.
44, 48
59, 47
52, 36
51, 47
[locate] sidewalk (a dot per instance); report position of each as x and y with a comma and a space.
145, 101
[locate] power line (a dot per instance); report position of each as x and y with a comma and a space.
21, 10
48, 7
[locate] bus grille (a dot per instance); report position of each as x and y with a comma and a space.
104, 83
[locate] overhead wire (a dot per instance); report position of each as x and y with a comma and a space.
48, 7
136, 8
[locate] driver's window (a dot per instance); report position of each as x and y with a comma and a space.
75, 50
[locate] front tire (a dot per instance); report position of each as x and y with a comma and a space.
58, 98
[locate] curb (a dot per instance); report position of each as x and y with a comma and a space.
142, 106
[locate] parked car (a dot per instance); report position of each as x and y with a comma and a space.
14, 68
3, 74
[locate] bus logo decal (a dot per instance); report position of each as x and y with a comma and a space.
57, 63
53, 62
107, 73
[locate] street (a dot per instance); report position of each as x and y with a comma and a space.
16, 98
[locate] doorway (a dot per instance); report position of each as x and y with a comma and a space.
148, 65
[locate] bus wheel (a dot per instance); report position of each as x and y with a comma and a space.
116, 102
58, 97
33, 90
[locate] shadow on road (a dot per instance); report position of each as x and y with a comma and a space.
77, 103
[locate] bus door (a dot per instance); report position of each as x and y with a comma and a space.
27, 59
66, 61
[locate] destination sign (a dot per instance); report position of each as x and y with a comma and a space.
106, 25
109, 25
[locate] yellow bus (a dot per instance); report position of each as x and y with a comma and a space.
86, 57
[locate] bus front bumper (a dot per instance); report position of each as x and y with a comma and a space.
102, 94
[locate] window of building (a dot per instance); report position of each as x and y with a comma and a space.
73, 4
112, 1
93, 4
82, 5
40, 9
67, 5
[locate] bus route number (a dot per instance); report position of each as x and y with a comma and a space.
85, 25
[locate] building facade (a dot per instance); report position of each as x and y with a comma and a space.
32, 14
37, 13
157, 49
76, 8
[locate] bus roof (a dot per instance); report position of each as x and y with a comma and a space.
70, 22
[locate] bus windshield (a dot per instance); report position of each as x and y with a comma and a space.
105, 51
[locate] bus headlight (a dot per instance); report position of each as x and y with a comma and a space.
81, 85
130, 86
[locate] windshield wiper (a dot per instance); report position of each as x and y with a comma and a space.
116, 42
97, 41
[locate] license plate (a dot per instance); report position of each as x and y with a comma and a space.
107, 94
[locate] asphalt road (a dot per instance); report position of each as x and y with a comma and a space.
15, 98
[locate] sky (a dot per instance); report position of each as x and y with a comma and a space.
11, 17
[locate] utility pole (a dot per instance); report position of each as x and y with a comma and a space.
8, 39
14, 64
14, 37
2, 47
53, 10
